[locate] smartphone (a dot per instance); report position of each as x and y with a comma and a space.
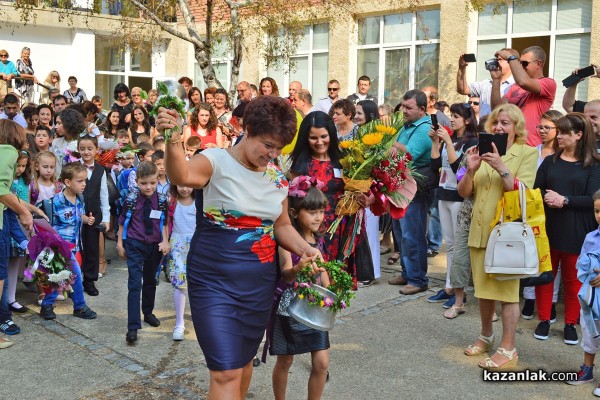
486, 140
469, 58
582, 73
434, 122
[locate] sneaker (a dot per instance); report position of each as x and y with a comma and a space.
447, 305
584, 375
570, 334
527, 311
553, 314
85, 313
596, 391
8, 327
151, 320
47, 312
542, 330
440, 297
432, 253
178, 333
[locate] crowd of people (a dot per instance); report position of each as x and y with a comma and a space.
116, 175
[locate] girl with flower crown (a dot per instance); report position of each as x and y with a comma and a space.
289, 337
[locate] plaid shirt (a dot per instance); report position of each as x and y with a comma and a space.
68, 218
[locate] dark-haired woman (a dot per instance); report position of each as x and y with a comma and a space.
112, 124
30, 113
69, 124
45, 114
123, 103
568, 179
140, 124
317, 154
446, 154
195, 98
203, 124
231, 262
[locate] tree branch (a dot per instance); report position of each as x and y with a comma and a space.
238, 4
163, 25
209, 15
189, 22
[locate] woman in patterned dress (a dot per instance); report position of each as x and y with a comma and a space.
231, 264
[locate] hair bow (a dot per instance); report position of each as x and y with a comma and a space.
90, 134
300, 185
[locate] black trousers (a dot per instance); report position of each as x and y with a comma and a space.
90, 253
142, 262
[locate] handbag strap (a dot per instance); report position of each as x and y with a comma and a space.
522, 203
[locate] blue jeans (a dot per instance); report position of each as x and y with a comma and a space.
434, 231
76, 295
412, 231
142, 261
5, 313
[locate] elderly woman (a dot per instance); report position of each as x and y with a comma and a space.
12, 138
568, 179
231, 264
342, 112
26, 76
488, 177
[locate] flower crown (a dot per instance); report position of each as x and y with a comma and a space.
300, 185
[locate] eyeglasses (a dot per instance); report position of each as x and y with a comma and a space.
3, 55
55, 76
333, 89
474, 103
545, 127
135, 95
526, 63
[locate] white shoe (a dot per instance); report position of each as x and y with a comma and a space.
99, 274
60, 297
596, 391
178, 333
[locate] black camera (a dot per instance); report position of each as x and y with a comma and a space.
492, 64
101, 228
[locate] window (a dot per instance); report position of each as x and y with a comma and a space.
116, 64
399, 52
561, 27
310, 64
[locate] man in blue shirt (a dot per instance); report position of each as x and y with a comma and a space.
411, 230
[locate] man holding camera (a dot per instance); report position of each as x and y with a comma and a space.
483, 89
532, 92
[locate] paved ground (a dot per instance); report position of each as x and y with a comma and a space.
386, 346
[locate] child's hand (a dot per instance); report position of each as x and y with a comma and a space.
121, 251
164, 247
596, 281
91, 219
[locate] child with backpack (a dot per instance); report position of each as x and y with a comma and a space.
158, 159
182, 225
143, 240
96, 204
66, 213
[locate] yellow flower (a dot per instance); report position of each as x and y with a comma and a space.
371, 139
346, 144
385, 129
300, 296
321, 303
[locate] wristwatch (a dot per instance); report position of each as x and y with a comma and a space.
504, 174
512, 57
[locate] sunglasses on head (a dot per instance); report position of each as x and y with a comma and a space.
474, 103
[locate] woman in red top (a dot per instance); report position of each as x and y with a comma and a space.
203, 123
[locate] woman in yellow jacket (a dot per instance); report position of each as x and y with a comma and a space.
488, 177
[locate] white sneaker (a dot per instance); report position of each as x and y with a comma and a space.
178, 333
596, 391
100, 275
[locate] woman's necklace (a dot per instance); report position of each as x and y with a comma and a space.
232, 152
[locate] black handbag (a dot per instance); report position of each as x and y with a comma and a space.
113, 192
363, 261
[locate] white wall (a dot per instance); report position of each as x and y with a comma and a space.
66, 50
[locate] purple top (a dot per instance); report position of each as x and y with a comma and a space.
137, 225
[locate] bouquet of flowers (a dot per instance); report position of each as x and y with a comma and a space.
52, 265
168, 98
341, 284
370, 164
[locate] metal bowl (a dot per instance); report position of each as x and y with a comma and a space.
314, 316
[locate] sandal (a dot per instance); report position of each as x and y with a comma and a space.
495, 317
474, 350
393, 259
454, 311
489, 364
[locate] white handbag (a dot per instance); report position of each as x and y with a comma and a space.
511, 250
